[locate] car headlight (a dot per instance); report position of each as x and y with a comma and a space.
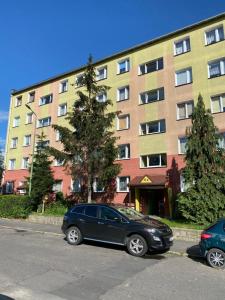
151, 230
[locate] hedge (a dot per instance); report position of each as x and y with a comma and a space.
14, 206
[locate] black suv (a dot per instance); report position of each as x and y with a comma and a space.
116, 224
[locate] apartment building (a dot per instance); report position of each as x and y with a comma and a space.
155, 86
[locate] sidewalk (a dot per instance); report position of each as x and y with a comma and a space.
179, 247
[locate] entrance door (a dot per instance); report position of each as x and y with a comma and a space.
152, 201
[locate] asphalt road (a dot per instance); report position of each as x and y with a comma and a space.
36, 265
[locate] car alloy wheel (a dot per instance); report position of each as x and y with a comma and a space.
216, 258
137, 245
74, 236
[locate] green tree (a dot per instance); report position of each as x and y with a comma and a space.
1, 165
42, 178
204, 198
89, 145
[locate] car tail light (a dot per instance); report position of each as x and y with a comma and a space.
205, 236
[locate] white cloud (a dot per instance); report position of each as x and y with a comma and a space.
3, 116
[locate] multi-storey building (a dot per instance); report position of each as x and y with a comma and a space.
155, 86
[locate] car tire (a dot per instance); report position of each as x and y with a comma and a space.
73, 235
216, 258
136, 245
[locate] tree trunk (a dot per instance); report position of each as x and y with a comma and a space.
89, 190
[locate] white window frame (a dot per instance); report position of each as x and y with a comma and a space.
79, 183
221, 62
216, 30
127, 65
12, 164
221, 142
126, 93
31, 97
148, 159
127, 152
179, 144
43, 100
79, 76
145, 66
29, 116
104, 97
58, 162
101, 77
39, 125
185, 45
147, 124
185, 103
25, 163
18, 101
27, 137
118, 184
14, 143
63, 86
127, 116
60, 107
146, 93
222, 107
57, 136
16, 121
189, 77
95, 185
57, 181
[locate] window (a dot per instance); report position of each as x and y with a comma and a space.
124, 151
58, 136
153, 127
58, 162
185, 110
9, 187
123, 122
109, 214
98, 185
216, 68
153, 160
63, 86
182, 46
57, 186
151, 96
183, 76
151, 66
27, 140
214, 35
122, 184
31, 97
218, 103
62, 109
182, 142
183, 186
29, 118
91, 211
76, 185
101, 97
101, 73
14, 142
123, 93
79, 80
123, 66
46, 99
12, 164
221, 142
42, 145
16, 122
18, 101
78, 209
25, 162
44, 122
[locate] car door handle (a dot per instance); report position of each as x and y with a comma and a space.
99, 222
82, 220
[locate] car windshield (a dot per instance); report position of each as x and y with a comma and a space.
130, 213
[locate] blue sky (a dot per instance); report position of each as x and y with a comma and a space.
39, 39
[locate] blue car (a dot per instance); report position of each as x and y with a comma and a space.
212, 244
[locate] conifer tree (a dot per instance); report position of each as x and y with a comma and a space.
204, 198
89, 145
42, 178
1, 165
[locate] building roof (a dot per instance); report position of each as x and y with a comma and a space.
148, 181
124, 52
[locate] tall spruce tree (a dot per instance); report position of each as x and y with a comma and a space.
204, 198
1, 166
89, 145
42, 178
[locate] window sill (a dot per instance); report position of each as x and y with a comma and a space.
123, 72
122, 191
122, 100
62, 92
147, 134
26, 145
219, 112
184, 84
182, 53
151, 102
61, 115
206, 45
153, 167
220, 75
183, 119
123, 129
123, 158
97, 80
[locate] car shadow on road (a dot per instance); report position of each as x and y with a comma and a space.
194, 253
3, 297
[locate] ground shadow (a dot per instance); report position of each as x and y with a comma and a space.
3, 297
194, 253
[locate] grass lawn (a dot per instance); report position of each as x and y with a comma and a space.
182, 224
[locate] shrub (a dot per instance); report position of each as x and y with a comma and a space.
55, 209
14, 206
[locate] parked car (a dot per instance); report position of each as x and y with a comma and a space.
212, 244
116, 224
